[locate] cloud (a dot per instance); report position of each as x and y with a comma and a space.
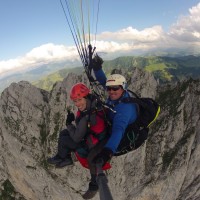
147, 35
40, 55
187, 28
130, 39
49, 52
185, 33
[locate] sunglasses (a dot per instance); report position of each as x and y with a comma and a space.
114, 88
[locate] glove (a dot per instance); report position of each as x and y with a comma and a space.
70, 117
104, 156
97, 63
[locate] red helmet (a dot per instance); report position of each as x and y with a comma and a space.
78, 91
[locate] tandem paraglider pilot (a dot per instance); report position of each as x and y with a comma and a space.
121, 115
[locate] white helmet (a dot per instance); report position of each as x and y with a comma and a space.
116, 79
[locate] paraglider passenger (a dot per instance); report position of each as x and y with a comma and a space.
86, 139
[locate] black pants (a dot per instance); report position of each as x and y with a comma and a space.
65, 144
92, 154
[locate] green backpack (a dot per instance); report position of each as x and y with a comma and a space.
137, 132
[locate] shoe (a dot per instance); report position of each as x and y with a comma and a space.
64, 162
89, 194
54, 160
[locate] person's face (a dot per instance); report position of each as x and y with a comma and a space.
114, 92
80, 103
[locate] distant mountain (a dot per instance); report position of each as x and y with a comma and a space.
163, 68
47, 82
35, 73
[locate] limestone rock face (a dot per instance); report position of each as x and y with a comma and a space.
166, 167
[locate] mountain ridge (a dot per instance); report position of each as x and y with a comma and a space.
166, 167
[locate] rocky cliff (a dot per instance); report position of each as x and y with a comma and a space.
165, 168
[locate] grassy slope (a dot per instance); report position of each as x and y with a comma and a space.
47, 82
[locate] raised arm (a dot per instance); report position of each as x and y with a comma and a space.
98, 72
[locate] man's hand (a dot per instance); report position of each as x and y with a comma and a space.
104, 156
97, 63
70, 117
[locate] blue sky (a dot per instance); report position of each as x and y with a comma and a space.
37, 27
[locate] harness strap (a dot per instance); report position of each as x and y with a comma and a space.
98, 136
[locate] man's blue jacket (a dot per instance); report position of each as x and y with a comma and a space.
126, 113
